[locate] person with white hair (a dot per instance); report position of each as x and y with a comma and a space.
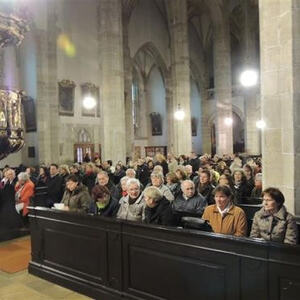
157, 180
24, 191
132, 205
157, 209
190, 201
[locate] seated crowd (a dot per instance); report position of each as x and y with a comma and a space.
160, 191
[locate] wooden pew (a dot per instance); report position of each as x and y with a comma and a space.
112, 259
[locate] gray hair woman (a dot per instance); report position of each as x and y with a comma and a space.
158, 209
132, 205
157, 180
272, 222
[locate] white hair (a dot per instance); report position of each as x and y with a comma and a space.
131, 170
133, 181
186, 181
123, 179
23, 176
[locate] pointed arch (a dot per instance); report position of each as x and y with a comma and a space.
147, 56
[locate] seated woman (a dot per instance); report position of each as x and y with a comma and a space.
76, 197
24, 191
132, 205
104, 204
224, 217
157, 180
173, 184
272, 222
157, 209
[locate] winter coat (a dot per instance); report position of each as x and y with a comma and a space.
193, 205
131, 212
233, 223
89, 180
78, 200
55, 189
25, 195
161, 214
143, 174
280, 227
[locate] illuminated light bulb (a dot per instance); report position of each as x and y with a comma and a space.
179, 114
228, 121
249, 78
261, 124
89, 102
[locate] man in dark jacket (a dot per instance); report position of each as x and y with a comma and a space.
194, 162
189, 201
142, 172
55, 186
158, 209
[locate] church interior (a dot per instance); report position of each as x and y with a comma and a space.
93, 91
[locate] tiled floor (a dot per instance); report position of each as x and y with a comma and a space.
24, 286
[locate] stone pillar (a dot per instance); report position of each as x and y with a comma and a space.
251, 94
47, 93
206, 130
223, 88
170, 114
180, 76
127, 84
280, 94
112, 80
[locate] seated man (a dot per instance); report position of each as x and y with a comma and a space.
189, 201
158, 209
132, 205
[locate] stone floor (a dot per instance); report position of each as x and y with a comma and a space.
24, 286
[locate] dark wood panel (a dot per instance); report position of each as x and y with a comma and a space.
112, 259
181, 277
74, 251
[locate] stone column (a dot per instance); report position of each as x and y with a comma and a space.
251, 94
280, 94
127, 84
223, 88
206, 130
47, 94
112, 80
180, 76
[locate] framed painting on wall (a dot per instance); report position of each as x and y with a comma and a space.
66, 94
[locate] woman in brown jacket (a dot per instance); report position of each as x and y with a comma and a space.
272, 222
224, 217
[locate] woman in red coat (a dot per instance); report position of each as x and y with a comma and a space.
24, 191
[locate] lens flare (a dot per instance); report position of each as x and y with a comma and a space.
65, 44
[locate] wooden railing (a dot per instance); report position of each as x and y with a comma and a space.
112, 259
